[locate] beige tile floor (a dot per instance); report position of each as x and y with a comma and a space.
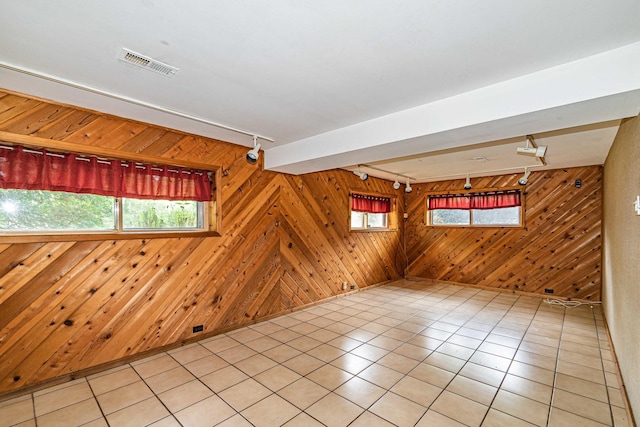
406, 354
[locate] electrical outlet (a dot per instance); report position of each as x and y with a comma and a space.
198, 328
344, 286
548, 290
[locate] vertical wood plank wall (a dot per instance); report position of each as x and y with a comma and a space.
559, 248
69, 306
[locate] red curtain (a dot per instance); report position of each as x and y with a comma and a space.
499, 199
490, 200
27, 169
370, 204
450, 201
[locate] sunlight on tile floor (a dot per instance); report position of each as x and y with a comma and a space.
405, 354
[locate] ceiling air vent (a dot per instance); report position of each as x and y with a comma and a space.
142, 61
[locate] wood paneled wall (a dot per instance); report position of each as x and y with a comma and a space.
285, 242
559, 247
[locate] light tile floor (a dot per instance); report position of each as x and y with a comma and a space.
405, 354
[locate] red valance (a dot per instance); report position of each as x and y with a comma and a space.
450, 201
28, 169
370, 204
489, 200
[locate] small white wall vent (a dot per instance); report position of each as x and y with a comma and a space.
142, 61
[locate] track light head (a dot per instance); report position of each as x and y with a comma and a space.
467, 184
396, 185
253, 155
407, 188
525, 177
363, 175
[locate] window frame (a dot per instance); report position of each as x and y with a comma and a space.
522, 206
391, 219
211, 209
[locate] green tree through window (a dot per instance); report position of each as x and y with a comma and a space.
31, 210
38, 210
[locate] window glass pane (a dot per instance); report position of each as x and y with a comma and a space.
161, 214
39, 210
357, 219
450, 217
498, 216
376, 220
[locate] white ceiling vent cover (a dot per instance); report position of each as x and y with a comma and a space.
142, 61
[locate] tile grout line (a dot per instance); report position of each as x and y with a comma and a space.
555, 369
95, 397
33, 406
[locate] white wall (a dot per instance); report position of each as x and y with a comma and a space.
621, 254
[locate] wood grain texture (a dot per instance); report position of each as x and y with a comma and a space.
558, 248
284, 242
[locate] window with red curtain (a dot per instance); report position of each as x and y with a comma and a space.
28, 169
370, 204
488, 200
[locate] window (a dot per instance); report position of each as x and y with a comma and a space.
162, 215
57, 211
499, 208
43, 192
365, 220
372, 212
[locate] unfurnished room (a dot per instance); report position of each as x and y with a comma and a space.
340, 213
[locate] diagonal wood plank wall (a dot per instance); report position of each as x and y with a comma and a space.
559, 247
69, 306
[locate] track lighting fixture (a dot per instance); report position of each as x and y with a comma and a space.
532, 149
538, 152
407, 188
467, 184
253, 155
396, 184
363, 175
525, 177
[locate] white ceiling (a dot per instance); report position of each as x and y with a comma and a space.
411, 87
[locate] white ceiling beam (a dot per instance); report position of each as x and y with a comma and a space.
594, 89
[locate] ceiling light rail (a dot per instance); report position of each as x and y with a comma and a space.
129, 100
482, 173
386, 171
